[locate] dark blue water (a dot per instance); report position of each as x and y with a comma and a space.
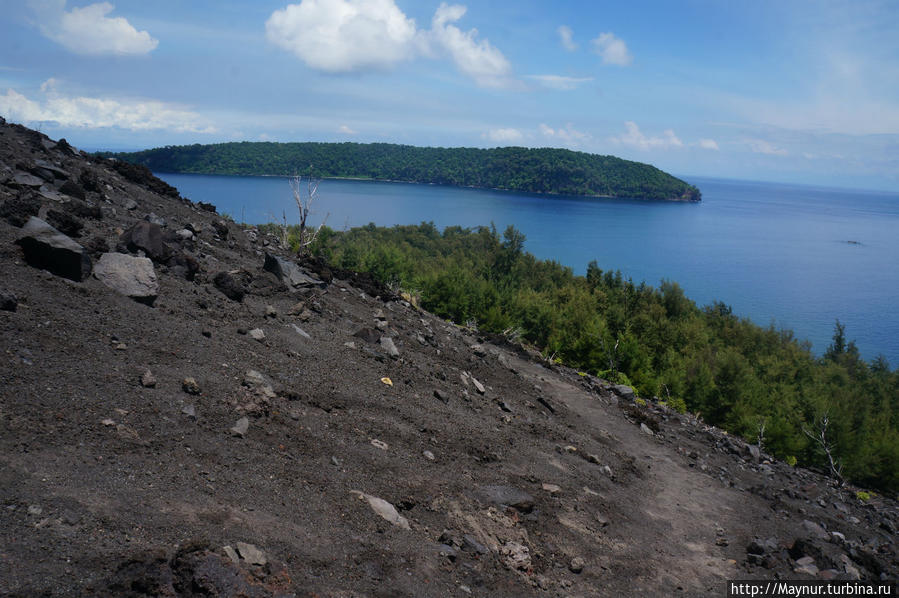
776, 253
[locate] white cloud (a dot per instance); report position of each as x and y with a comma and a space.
566, 36
709, 144
88, 29
633, 137
343, 35
93, 113
560, 82
503, 135
568, 135
760, 146
345, 130
612, 49
475, 58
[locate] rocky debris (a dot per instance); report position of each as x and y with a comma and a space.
25, 180
157, 220
625, 392
8, 301
516, 556
441, 395
142, 176
196, 570
147, 379
383, 508
257, 334
18, 210
241, 427
190, 386
131, 276
48, 249
380, 444
369, 335
290, 273
645, 429
190, 411
300, 331
73, 189
815, 531
429, 455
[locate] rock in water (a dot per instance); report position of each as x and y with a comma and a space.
129, 275
48, 249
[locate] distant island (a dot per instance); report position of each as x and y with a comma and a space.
544, 170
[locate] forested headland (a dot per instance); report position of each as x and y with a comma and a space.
759, 382
544, 170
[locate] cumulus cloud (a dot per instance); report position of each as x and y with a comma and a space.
341, 36
709, 144
760, 146
612, 49
566, 135
88, 29
476, 58
503, 135
93, 113
345, 130
560, 82
635, 138
566, 37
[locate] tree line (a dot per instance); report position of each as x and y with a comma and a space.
544, 170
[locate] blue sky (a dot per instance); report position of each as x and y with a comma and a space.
794, 91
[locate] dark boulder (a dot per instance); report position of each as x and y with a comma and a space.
73, 189
48, 249
234, 286
184, 265
8, 301
289, 273
85, 210
147, 237
65, 223
90, 181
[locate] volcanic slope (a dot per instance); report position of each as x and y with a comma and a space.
186, 411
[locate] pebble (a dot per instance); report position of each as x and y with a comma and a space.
148, 380
429, 455
190, 386
552, 488
379, 444
383, 508
241, 427
251, 554
645, 429
576, 565
190, 411
257, 334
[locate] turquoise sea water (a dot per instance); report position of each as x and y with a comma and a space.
796, 256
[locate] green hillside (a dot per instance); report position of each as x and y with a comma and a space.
545, 170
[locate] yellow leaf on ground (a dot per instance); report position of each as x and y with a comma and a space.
387, 381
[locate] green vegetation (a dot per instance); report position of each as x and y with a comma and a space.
546, 170
751, 380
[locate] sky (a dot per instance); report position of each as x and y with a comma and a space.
794, 91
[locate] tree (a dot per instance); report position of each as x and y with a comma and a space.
304, 205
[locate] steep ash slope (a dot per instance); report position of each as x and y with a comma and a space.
357, 447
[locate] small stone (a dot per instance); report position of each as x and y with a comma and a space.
251, 554
471, 544
379, 444
645, 429
241, 427
441, 395
384, 509
388, 345
607, 470
478, 386
806, 560
8, 301
350, 345
35, 510
190, 411
300, 331
721, 542
190, 386
335, 461
754, 452
552, 488
593, 458
517, 556
148, 380
429, 455
108, 422
576, 565
207, 333
814, 530
270, 312
231, 554
811, 570
465, 589
257, 334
